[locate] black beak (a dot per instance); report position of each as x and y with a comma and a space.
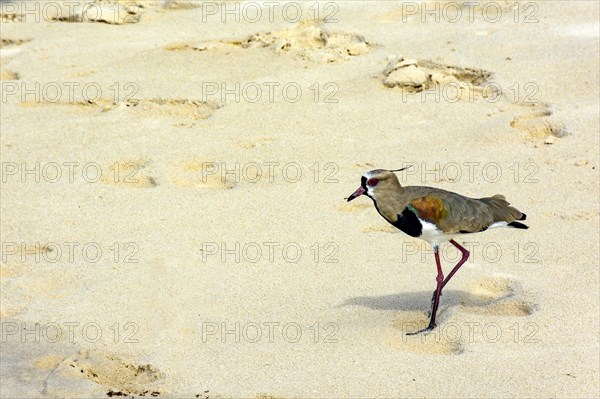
360, 191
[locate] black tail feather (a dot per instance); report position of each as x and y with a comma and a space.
523, 217
518, 225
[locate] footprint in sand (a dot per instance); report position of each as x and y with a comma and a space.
113, 12
134, 173
538, 124
415, 76
468, 84
493, 296
108, 12
179, 109
497, 297
174, 108
7, 16
431, 344
352, 206
7, 42
578, 216
380, 229
115, 374
7, 75
199, 174
306, 41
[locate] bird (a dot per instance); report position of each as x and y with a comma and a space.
436, 216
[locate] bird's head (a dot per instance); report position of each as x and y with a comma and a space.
377, 184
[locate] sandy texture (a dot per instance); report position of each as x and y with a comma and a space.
182, 231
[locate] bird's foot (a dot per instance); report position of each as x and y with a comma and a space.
424, 331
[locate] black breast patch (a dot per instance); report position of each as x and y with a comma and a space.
409, 223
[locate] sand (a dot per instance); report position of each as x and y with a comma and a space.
173, 182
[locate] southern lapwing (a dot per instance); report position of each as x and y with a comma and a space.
436, 216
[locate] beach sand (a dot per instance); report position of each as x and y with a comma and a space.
173, 214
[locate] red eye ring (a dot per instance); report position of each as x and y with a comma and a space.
372, 182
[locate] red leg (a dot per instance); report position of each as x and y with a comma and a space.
436, 295
441, 282
438, 292
465, 256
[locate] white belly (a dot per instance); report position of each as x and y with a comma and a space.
435, 236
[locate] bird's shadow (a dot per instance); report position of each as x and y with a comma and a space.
421, 300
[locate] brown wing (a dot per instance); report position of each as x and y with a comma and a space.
430, 208
452, 213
